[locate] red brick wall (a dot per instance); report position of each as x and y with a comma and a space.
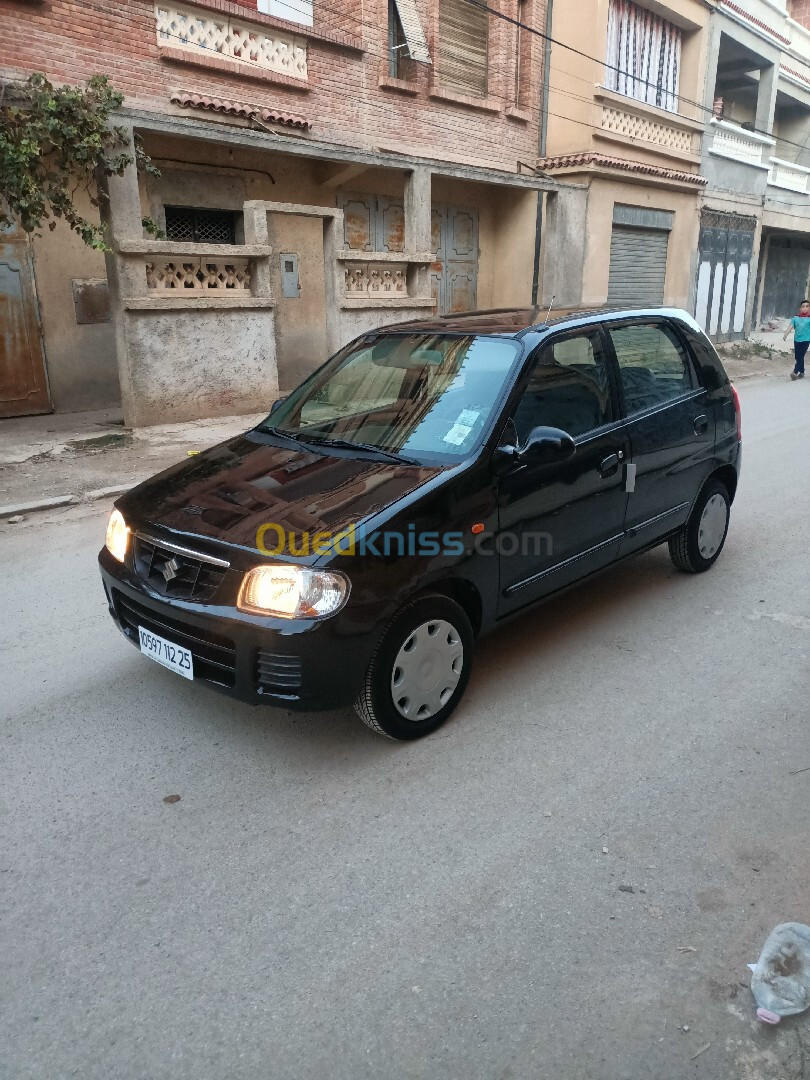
800, 11
72, 39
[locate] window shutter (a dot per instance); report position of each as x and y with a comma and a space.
412, 29
463, 41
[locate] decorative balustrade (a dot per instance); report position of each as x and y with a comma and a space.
375, 279
199, 275
646, 129
200, 30
785, 174
739, 144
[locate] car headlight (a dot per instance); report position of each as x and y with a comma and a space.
292, 592
117, 539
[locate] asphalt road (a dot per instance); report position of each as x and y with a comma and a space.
323, 904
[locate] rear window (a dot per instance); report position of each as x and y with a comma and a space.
653, 365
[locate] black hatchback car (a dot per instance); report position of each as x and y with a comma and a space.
429, 481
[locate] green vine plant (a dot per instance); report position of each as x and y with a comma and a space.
56, 141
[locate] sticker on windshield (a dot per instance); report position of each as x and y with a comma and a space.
468, 417
457, 434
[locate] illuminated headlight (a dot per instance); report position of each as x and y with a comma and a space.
293, 592
117, 538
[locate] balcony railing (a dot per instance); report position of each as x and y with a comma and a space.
787, 175
737, 143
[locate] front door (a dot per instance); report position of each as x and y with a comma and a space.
670, 425
724, 262
299, 286
561, 522
454, 275
23, 384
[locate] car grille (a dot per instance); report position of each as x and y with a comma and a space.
214, 655
278, 674
172, 574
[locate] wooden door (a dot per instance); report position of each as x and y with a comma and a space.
23, 383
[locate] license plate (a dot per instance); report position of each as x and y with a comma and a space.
172, 656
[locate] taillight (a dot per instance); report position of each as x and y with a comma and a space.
737, 413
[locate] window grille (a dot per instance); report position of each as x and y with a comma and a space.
197, 226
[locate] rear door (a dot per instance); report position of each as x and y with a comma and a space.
560, 522
669, 422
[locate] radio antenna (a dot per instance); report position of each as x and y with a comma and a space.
550, 306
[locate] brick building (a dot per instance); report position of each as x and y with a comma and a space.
325, 167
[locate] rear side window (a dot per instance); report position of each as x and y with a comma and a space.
568, 388
653, 365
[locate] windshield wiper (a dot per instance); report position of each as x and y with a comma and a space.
291, 435
347, 444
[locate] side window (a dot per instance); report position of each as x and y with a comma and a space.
653, 365
568, 388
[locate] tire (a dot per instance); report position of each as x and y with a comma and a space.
697, 546
429, 692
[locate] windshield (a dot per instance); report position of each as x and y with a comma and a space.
423, 395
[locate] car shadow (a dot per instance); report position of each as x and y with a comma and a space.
566, 626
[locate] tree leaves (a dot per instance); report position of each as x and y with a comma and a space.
55, 142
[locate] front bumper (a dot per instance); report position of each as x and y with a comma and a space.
294, 664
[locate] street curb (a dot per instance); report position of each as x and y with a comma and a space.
37, 505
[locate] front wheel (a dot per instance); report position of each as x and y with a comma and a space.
698, 544
419, 670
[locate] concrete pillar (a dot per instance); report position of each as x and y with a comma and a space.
755, 317
564, 236
123, 215
766, 98
333, 277
418, 211
255, 225
712, 60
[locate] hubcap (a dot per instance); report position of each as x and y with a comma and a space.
712, 526
427, 670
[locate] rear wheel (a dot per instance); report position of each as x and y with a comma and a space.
698, 544
419, 671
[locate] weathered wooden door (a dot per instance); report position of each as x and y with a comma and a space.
372, 223
455, 272
23, 383
377, 223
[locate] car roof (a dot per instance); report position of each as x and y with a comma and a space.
515, 322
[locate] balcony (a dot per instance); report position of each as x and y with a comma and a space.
787, 175
738, 144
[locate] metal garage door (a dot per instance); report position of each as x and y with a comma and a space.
638, 266
786, 272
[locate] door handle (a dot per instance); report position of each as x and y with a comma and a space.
701, 424
609, 465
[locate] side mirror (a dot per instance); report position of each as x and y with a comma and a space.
547, 445
276, 403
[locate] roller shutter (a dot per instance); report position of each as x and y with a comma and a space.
638, 267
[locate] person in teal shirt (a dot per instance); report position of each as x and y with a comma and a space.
801, 337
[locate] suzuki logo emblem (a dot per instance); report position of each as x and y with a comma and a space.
170, 570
